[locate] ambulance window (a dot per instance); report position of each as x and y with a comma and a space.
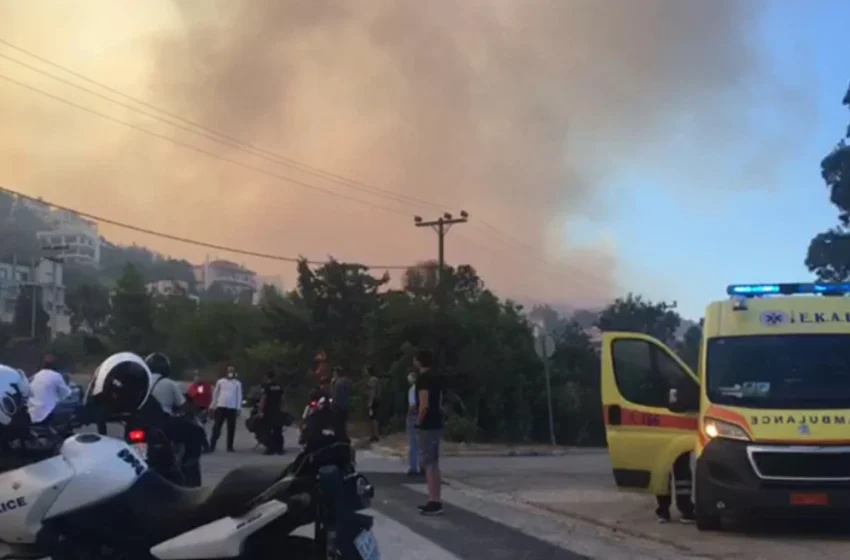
637, 380
670, 370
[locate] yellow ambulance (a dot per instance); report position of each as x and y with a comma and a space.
767, 416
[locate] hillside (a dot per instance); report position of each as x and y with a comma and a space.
18, 228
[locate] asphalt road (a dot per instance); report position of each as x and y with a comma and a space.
402, 533
544, 507
579, 489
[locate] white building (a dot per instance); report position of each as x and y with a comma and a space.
48, 275
229, 276
171, 288
76, 239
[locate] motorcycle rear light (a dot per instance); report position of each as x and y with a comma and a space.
136, 436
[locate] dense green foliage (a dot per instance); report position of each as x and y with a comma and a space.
497, 386
829, 252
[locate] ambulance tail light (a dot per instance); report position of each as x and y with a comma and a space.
720, 429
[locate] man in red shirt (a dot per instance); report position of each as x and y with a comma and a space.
200, 393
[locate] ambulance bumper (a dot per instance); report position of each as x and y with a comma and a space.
727, 484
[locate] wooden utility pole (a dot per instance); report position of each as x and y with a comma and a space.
441, 225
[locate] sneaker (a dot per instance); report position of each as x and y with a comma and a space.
687, 520
662, 517
431, 508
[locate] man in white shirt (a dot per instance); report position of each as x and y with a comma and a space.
412, 436
226, 406
47, 390
165, 390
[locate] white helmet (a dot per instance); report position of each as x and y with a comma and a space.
121, 384
14, 390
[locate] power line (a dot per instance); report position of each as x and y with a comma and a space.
202, 150
189, 241
208, 133
231, 141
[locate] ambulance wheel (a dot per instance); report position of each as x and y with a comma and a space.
707, 521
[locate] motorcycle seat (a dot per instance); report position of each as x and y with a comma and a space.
165, 508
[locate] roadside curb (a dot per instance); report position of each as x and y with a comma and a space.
387, 451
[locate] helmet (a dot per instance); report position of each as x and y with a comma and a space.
13, 392
159, 363
121, 384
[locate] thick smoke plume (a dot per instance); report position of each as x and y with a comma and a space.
522, 112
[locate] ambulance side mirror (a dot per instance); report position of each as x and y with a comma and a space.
683, 399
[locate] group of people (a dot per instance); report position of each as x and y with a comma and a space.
223, 402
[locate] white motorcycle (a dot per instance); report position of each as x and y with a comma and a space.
98, 499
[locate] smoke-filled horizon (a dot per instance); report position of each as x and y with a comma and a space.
527, 113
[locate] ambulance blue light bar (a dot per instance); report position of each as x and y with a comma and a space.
758, 290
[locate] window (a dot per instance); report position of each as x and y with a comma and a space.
791, 371
645, 373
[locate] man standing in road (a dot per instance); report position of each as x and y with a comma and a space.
374, 403
429, 405
271, 414
225, 406
47, 390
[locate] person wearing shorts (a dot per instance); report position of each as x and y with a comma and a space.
429, 400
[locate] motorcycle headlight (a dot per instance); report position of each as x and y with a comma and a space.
715, 428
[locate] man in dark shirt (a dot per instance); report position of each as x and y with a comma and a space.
429, 405
341, 402
271, 414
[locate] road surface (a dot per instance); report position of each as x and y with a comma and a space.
578, 489
543, 507
403, 534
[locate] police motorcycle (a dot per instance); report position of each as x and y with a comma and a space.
97, 498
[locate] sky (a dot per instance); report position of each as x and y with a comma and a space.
662, 147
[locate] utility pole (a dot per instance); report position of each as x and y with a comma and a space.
33, 296
441, 225
545, 351
54, 284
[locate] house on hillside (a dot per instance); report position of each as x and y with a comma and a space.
167, 288
73, 237
226, 277
48, 276
595, 336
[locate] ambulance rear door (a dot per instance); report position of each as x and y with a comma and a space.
640, 378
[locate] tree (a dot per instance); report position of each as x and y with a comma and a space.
88, 305
23, 313
132, 320
635, 314
690, 346
576, 387
829, 252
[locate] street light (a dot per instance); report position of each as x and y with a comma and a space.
544, 344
